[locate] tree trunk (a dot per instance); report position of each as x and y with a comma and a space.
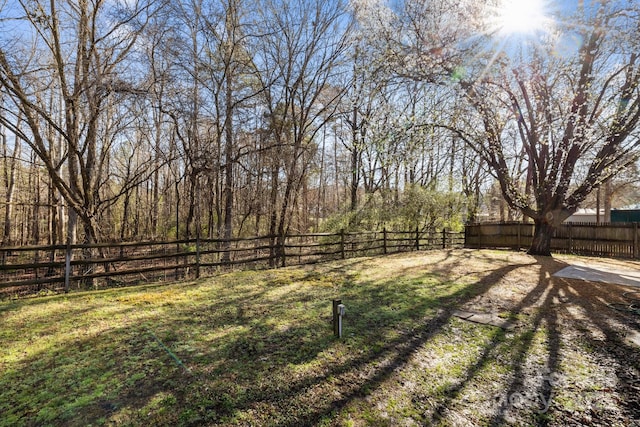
88, 252
355, 165
125, 216
273, 218
283, 222
192, 204
541, 244
9, 178
228, 173
53, 225
608, 196
598, 219
35, 229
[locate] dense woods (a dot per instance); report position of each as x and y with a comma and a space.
152, 120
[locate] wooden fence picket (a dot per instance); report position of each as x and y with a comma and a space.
616, 240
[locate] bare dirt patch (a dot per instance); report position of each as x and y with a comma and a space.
569, 360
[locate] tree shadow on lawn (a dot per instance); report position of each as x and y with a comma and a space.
267, 357
529, 394
517, 349
548, 302
541, 296
241, 360
596, 302
358, 376
535, 391
443, 263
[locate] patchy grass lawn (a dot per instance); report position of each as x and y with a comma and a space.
256, 348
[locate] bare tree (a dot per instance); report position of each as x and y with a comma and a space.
230, 77
300, 54
78, 54
570, 118
577, 115
9, 163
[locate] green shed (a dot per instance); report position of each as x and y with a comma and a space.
625, 215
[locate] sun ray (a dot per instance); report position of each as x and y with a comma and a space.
518, 16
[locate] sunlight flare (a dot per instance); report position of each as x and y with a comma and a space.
518, 16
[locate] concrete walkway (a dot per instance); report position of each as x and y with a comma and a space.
601, 274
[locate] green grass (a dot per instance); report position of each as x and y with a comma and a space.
256, 348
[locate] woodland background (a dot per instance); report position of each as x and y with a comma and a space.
138, 120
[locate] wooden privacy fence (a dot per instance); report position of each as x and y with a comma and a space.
617, 240
34, 268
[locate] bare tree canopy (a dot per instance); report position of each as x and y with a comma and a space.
68, 83
223, 118
553, 110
